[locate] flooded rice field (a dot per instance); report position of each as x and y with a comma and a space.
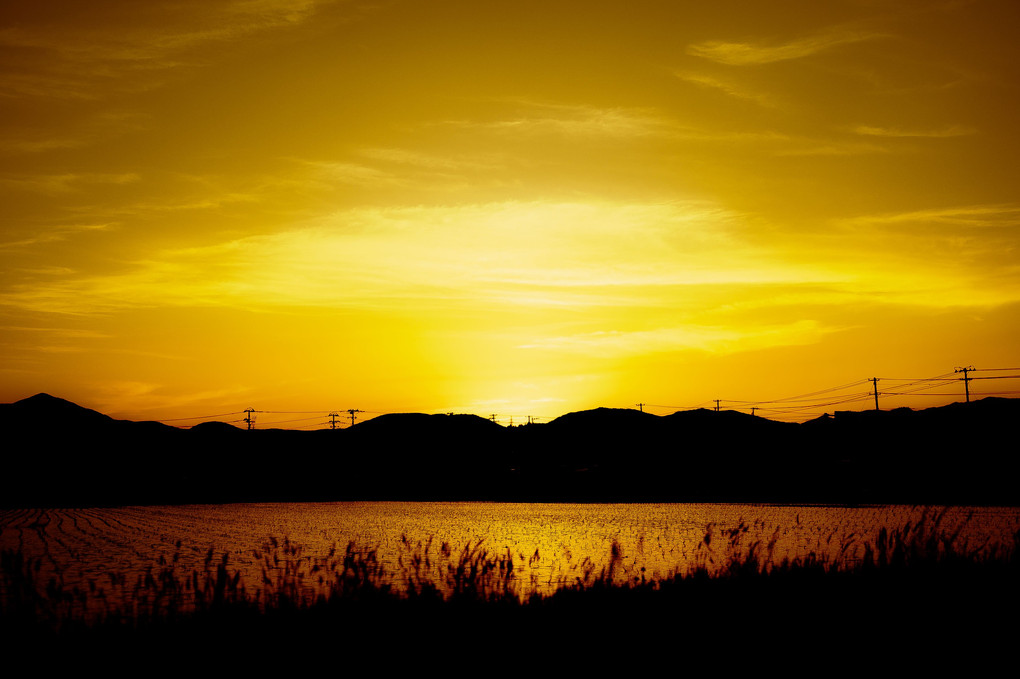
547, 545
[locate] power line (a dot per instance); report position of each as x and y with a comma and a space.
291, 412
814, 393
953, 393
201, 417
802, 404
941, 378
300, 419
918, 389
694, 407
808, 403
797, 406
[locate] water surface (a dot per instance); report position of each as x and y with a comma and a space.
549, 544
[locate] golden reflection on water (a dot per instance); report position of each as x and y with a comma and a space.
548, 545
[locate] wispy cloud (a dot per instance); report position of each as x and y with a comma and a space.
831, 147
61, 333
154, 400
40, 145
944, 256
66, 183
566, 253
354, 174
54, 234
427, 161
746, 53
781, 143
54, 340
576, 121
1001, 215
553, 255
212, 200
57, 59
945, 132
727, 88
713, 339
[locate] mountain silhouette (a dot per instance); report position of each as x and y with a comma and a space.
59, 453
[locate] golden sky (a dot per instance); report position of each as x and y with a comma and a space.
521, 208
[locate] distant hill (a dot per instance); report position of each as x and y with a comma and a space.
58, 453
43, 411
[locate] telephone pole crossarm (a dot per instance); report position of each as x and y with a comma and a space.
966, 379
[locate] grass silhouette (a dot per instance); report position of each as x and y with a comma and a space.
916, 584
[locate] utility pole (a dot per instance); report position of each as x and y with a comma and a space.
753, 408
352, 411
332, 420
966, 379
249, 412
717, 405
874, 384
492, 417
640, 407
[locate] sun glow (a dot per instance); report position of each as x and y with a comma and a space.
407, 207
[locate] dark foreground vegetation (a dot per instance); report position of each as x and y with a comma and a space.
915, 599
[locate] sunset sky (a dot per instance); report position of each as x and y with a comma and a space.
514, 208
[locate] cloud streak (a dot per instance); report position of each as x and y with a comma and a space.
942, 133
548, 255
1003, 215
53, 235
712, 339
576, 121
727, 88
506, 252
64, 60
751, 54
67, 183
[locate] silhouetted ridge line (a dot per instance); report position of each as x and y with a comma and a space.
43, 405
63, 454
